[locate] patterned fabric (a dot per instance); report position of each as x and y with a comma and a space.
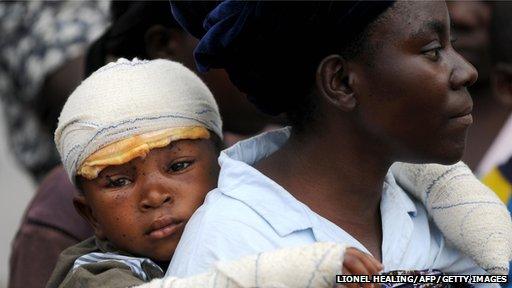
37, 38
420, 285
137, 265
469, 214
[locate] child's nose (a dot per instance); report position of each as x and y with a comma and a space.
154, 197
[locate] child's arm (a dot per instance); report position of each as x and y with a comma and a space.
314, 265
468, 213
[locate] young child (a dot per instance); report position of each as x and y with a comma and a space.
140, 139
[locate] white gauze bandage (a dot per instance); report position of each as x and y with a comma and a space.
314, 265
469, 214
128, 98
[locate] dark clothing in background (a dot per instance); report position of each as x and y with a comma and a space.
49, 226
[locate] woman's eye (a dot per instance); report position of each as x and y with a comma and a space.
178, 166
433, 54
118, 182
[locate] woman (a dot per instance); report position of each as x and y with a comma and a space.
364, 84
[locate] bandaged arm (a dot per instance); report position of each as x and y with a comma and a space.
313, 265
467, 212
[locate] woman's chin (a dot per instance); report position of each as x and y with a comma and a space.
449, 156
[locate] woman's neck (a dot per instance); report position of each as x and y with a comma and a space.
339, 177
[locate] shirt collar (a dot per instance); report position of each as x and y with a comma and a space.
394, 190
239, 180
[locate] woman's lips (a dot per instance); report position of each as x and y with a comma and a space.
464, 117
464, 120
164, 227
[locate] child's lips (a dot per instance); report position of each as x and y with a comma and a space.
164, 227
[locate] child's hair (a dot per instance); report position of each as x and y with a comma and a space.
133, 98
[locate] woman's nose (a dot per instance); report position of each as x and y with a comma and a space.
463, 74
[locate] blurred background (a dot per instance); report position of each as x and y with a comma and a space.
16, 189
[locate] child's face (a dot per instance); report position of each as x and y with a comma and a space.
142, 206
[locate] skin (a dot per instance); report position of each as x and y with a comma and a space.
356, 262
142, 206
407, 102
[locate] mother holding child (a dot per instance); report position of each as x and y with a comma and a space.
363, 84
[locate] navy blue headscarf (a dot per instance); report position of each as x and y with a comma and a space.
271, 49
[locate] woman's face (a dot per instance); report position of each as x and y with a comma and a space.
412, 96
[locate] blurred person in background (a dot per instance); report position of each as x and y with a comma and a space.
491, 137
497, 166
501, 85
471, 21
41, 62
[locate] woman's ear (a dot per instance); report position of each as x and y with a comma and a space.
501, 81
333, 82
84, 209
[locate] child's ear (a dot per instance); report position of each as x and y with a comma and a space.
501, 81
84, 209
334, 83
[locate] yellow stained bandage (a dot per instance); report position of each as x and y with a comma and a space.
125, 150
498, 184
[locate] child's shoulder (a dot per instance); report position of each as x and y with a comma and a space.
92, 263
68, 257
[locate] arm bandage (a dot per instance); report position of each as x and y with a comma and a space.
314, 265
467, 212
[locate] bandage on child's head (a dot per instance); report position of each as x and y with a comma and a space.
127, 108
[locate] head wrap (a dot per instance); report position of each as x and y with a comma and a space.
138, 100
269, 48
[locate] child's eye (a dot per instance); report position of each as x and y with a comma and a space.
178, 166
117, 182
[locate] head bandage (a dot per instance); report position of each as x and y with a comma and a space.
127, 108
